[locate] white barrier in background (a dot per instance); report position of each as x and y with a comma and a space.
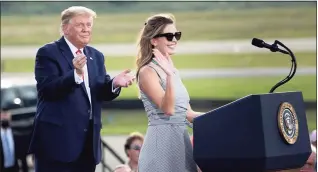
200, 47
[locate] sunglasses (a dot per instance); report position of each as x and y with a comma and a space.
170, 36
135, 147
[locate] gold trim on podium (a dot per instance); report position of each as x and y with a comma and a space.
288, 123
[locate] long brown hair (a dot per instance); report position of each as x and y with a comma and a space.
154, 25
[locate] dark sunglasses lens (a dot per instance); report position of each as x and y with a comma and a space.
136, 147
178, 35
169, 36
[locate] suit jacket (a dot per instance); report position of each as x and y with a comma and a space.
63, 107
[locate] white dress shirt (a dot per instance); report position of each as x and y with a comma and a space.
78, 79
8, 147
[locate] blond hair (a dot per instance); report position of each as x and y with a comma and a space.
136, 133
154, 25
73, 11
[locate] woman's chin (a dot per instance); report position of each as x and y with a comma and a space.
171, 52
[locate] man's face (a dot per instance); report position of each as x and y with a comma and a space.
5, 119
79, 30
5, 116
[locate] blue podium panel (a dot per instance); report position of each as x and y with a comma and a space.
255, 133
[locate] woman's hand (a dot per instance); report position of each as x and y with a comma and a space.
164, 62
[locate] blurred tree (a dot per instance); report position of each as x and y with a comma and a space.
122, 3
54, 7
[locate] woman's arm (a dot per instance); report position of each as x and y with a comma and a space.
150, 85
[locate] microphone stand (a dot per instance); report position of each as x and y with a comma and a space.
293, 67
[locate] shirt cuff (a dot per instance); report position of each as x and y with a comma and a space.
115, 90
77, 78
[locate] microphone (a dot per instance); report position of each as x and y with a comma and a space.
261, 44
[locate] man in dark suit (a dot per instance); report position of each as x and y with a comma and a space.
8, 159
72, 83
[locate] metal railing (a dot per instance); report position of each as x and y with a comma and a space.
105, 166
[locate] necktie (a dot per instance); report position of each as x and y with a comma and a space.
78, 52
8, 153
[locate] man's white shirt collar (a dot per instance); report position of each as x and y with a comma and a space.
72, 47
5, 130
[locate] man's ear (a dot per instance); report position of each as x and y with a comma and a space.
65, 29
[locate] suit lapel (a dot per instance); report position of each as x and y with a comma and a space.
68, 55
90, 65
66, 51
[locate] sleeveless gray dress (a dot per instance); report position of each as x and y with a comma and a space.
167, 146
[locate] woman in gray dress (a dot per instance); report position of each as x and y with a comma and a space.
167, 147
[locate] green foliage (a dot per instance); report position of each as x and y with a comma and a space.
117, 122
191, 61
54, 7
195, 26
233, 88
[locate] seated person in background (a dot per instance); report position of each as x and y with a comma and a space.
309, 166
132, 149
122, 168
313, 138
8, 159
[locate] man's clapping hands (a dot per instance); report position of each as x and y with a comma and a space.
124, 79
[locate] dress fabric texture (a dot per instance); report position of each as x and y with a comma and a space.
167, 146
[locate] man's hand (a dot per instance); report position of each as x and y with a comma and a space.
79, 61
124, 79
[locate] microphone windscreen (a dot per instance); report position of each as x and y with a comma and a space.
258, 42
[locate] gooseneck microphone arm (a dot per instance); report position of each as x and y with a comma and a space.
274, 48
292, 70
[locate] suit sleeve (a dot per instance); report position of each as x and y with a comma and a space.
50, 84
105, 88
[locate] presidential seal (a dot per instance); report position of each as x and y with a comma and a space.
288, 123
